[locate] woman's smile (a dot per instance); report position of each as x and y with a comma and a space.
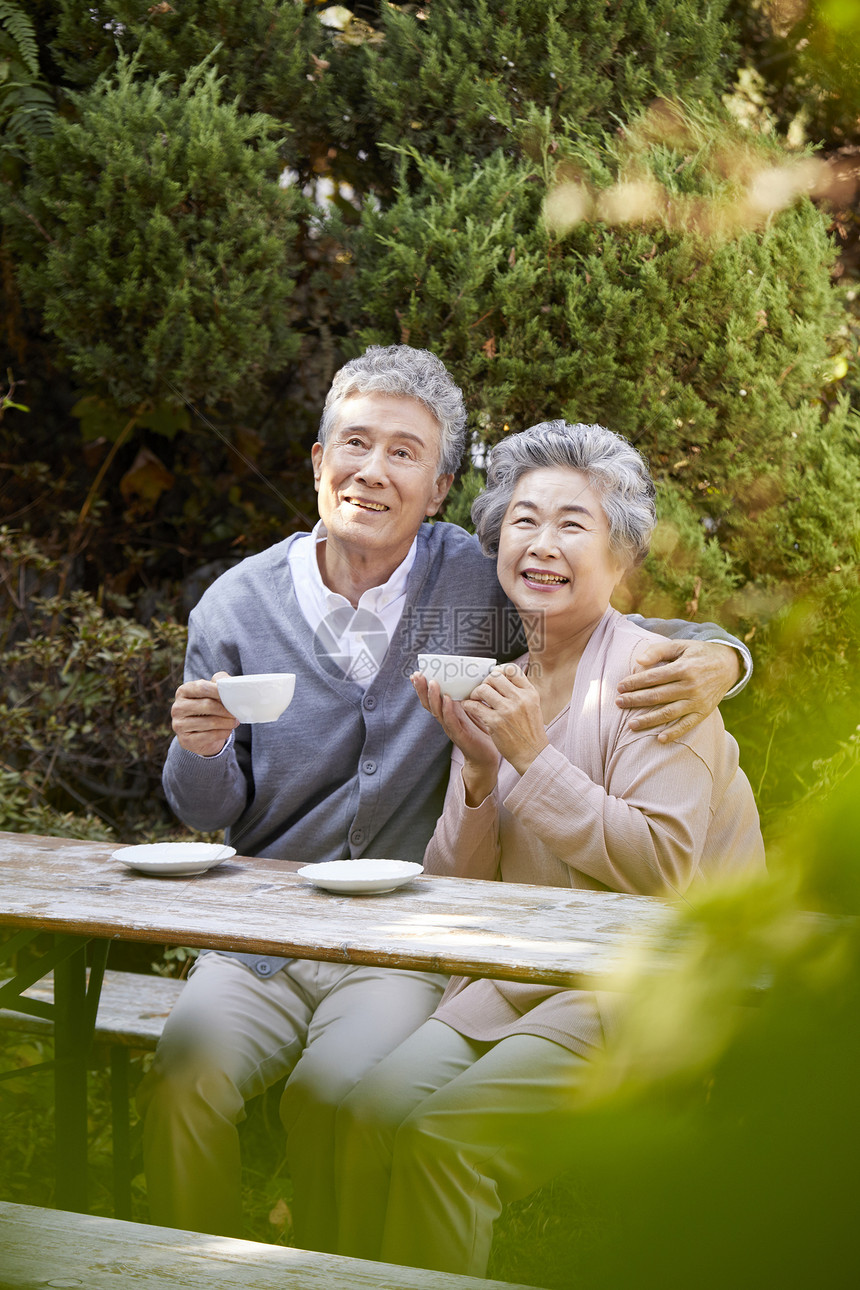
543, 579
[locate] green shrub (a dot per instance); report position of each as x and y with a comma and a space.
275, 57
457, 79
85, 713
169, 267
260, 48
709, 349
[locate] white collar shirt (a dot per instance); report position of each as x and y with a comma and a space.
356, 637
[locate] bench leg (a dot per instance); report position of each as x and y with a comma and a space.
119, 1092
71, 1046
75, 1009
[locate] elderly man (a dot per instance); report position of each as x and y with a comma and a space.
357, 767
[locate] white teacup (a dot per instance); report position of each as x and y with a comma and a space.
457, 674
260, 697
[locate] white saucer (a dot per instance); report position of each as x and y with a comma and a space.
173, 859
360, 877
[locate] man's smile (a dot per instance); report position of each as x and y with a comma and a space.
364, 505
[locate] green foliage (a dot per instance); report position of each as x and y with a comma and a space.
458, 505
260, 48
19, 30
687, 570
26, 1106
709, 352
169, 268
84, 720
803, 65
26, 105
796, 724
458, 78
274, 56
132, 522
739, 1121
100, 418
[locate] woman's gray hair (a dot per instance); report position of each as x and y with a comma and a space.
613, 467
407, 373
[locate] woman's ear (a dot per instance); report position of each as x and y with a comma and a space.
624, 594
632, 588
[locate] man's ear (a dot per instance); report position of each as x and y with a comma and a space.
443, 485
316, 461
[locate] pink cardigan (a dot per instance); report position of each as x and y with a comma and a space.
603, 808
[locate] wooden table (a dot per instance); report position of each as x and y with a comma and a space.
77, 891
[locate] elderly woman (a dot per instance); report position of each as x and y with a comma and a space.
549, 785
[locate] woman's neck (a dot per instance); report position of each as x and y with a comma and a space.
554, 654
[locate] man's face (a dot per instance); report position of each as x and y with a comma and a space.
378, 475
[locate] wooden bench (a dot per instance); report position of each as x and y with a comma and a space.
133, 1008
40, 1247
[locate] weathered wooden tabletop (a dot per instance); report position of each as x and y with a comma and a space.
505, 930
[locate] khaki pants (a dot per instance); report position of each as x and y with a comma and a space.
231, 1036
440, 1135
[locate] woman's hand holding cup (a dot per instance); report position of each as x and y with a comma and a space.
480, 756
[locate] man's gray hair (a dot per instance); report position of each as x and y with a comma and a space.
613, 467
408, 373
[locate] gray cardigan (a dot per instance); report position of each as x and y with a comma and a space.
343, 772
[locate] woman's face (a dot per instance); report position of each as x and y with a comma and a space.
554, 557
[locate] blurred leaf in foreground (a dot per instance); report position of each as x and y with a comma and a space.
723, 1128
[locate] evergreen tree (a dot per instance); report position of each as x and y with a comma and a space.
275, 56
709, 351
519, 205
458, 78
156, 241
